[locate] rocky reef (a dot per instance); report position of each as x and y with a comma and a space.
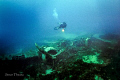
81, 58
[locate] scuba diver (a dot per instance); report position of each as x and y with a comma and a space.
62, 25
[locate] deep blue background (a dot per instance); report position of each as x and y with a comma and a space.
24, 22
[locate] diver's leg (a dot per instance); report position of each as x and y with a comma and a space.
56, 28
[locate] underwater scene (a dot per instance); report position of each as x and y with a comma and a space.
60, 39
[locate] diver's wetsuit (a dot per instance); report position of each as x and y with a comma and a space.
62, 25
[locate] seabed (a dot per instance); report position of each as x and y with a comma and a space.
87, 57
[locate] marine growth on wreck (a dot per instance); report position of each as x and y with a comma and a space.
82, 58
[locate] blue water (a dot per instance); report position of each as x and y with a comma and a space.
24, 22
